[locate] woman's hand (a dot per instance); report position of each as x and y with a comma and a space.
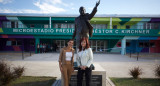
81, 67
84, 67
72, 69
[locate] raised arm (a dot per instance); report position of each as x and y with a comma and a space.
94, 10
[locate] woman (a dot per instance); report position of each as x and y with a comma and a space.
66, 59
84, 61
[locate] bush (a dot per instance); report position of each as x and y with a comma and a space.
135, 72
3, 67
157, 71
18, 71
7, 75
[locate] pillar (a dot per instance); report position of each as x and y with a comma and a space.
123, 46
36, 42
110, 23
49, 22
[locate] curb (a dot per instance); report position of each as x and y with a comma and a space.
110, 82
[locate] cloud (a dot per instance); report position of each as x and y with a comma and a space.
55, 2
46, 7
6, 1
18, 11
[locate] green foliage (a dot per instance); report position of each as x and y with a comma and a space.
34, 81
136, 82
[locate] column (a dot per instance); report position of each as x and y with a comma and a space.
123, 46
49, 22
110, 23
36, 42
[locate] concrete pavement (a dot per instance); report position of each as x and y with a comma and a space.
115, 65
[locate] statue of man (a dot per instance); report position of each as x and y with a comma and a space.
83, 27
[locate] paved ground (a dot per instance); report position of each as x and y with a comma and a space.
115, 65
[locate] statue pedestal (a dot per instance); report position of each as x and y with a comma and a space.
98, 77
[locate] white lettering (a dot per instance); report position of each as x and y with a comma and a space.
116, 31
147, 31
132, 31
15, 30
20, 30
35, 30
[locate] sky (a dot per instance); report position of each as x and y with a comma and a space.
72, 6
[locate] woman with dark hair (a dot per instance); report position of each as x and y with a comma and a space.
66, 59
84, 60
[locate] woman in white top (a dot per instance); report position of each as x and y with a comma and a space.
66, 59
84, 60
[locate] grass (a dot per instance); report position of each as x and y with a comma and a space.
135, 82
33, 81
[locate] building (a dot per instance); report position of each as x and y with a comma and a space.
112, 33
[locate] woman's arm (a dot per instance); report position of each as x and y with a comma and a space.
60, 60
77, 59
90, 57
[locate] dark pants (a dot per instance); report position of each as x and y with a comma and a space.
88, 72
38, 49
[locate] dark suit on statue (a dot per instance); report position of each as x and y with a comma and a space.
83, 28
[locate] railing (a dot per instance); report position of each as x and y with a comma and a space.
137, 52
95, 27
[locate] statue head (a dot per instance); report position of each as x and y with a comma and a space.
82, 10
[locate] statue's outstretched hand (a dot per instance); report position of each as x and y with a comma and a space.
97, 3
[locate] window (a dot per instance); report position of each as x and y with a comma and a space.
146, 26
144, 44
152, 44
8, 43
46, 26
99, 26
6, 24
151, 26
55, 25
127, 44
59, 25
156, 26
71, 26
32, 43
114, 26
32, 26
14, 43
63, 25
19, 43
14, 24
104, 26
141, 44
94, 26
127, 26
